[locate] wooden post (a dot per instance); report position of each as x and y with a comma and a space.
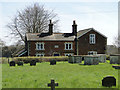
52, 84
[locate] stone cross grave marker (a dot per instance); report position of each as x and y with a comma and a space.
52, 84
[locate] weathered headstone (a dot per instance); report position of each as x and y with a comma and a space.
115, 59
12, 63
33, 63
8, 60
75, 59
116, 67
102, 58
20, 63
109, 81
52, 62
52, 84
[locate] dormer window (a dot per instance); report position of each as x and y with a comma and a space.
92, 38
40, 46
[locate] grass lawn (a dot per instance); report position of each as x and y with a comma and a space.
66, 74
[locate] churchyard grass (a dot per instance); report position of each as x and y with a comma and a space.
66, 74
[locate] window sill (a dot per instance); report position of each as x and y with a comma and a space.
68, 49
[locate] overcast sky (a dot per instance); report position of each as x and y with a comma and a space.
102, 16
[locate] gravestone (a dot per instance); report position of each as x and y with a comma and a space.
52, 62
12, 63
8, 60
91, 60
109, 81
116, 67
75, 59
33, 63
102, 58
52, 84
20, 63
115, 59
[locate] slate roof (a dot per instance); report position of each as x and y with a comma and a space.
57, 36
47, 37
82, 32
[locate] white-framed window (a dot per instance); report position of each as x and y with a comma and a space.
40, 46
40, 54
68, 54
56, 46
92, 38
68, 46
92, 53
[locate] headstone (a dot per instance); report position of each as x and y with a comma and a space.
12, 63
91, 60
8, 60
52, 84
75, 59
52, 62
102, 58
33, 63
109, 81
116, 67
114, 58
20, 63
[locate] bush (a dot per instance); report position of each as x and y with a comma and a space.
40, 59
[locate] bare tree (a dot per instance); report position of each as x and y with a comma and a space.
33, 19
117, 41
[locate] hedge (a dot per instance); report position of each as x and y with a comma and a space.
40, 59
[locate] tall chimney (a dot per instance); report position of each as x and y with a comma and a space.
74, 28
50, 28
74, 31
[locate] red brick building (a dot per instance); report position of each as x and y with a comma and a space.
87, 41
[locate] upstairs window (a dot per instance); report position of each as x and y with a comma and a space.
40, 46
68, 46
56, 46
92, 38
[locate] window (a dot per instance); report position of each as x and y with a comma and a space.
92, 53
68, 46
68, 54
56, 46
40, 46
40, 54
92, 38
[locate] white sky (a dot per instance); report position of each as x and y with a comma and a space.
102, 16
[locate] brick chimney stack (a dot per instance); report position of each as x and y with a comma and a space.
50, 28
74, 28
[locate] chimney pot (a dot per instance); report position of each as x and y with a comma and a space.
50, 28
74, 28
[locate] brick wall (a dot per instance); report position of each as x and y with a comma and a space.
50, 48
84, 46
